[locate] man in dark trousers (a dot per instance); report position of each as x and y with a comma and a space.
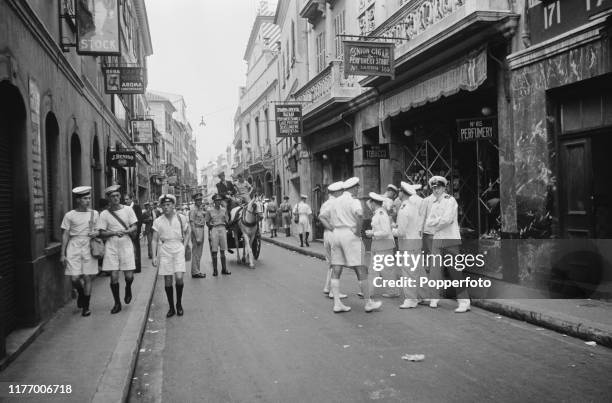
148, 216
133, 203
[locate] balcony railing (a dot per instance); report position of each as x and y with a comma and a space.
326, 88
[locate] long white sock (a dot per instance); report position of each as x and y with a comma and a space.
335, 288
328, 279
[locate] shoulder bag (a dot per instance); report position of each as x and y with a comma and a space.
132, 235
96, 245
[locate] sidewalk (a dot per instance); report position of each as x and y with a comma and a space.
583, 318
95, 355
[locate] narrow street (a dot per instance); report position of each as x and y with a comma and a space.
269, 334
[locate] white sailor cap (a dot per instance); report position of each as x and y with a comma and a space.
81, 191
112, 189
392, 187
167, 198
336, 186
303, 196
437, 180
351, 182
377, 197
410, 189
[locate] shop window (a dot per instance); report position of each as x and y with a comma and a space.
586, 112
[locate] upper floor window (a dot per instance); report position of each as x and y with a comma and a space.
339, 29
320, 51
292, 43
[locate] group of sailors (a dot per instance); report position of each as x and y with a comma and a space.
426, 226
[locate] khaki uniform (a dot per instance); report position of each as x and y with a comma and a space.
285, 209
217, 220
197, 220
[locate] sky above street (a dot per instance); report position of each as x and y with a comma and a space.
198, 49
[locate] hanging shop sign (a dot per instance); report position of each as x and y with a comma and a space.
98, 27
288, 120
142, 131
122, 159
376, 151
124, 80
549, 18
476, 129
369, 58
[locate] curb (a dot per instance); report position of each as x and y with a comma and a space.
26, 337
574, 329
114, 384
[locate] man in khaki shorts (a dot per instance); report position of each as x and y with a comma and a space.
347, 248
170, 237
78, 228
216, 219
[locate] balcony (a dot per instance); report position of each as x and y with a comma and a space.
327, 88
425, 23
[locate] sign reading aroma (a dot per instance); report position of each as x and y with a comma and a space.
369, 58
98, 27
288, 120
122, 159
124, 80
376, 151
476, 129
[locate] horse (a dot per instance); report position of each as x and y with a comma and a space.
247, 224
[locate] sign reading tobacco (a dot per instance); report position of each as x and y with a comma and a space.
124, 80
376, 151
476, 129
288, 120
122, 159
369, 58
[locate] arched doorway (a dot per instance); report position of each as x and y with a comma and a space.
269, 185
14, 207
52, 177
96, 172
75, 160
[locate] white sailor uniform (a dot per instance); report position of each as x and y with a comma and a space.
171, 250
383, 243
409, 222
118, 251
328, 235
78, 253
347, 248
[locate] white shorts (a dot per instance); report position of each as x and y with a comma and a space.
347, 248
171, 258
328, 237
303, 224
78, 258
119, 254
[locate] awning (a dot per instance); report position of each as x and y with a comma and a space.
466, 74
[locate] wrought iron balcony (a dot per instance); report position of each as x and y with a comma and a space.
326, 88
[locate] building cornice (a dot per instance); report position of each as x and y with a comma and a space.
259, 20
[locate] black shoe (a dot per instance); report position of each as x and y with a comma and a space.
226, 272
116, 308
86, 312
179, 310
198, 275
215, 273
307, 244
80, 302
171, 312
128, 295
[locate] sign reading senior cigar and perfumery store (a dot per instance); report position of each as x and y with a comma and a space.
288, 120
369, 59
476, 129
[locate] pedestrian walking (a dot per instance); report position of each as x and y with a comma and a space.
135, 236
78, 228
442, 219
271, 212
408, 232
115, 225
170, 238
303, 214
197, 221
285, 209
347, 248
148, 216
216, 219
383, 243
102, 205
334, 190
265, 223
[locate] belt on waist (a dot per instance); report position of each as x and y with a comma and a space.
218, 225
170, 240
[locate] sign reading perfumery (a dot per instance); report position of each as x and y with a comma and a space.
476, 129
122, 159
369, 59
376, 151
124, 80
98, 27
288, 120
142, 131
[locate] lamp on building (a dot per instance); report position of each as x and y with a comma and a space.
408, 133
347, 150
324, 156
486, 111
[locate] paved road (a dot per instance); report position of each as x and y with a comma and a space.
269, 335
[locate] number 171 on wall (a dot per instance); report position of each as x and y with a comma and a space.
552, 14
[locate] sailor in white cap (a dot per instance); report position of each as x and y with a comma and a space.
335, 190
383, 243
392, 204
347, 248
303, 214
78, 228
442, 221
170, 238
115, 225
409, 240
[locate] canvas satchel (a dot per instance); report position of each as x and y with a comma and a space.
96, 245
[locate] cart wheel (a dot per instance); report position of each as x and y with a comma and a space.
256, 247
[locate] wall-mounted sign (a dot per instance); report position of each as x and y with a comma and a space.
122, 159
124, 80
549, 18
376, 151
476, 129
98, 27
142, 131
288, 120
369, 58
